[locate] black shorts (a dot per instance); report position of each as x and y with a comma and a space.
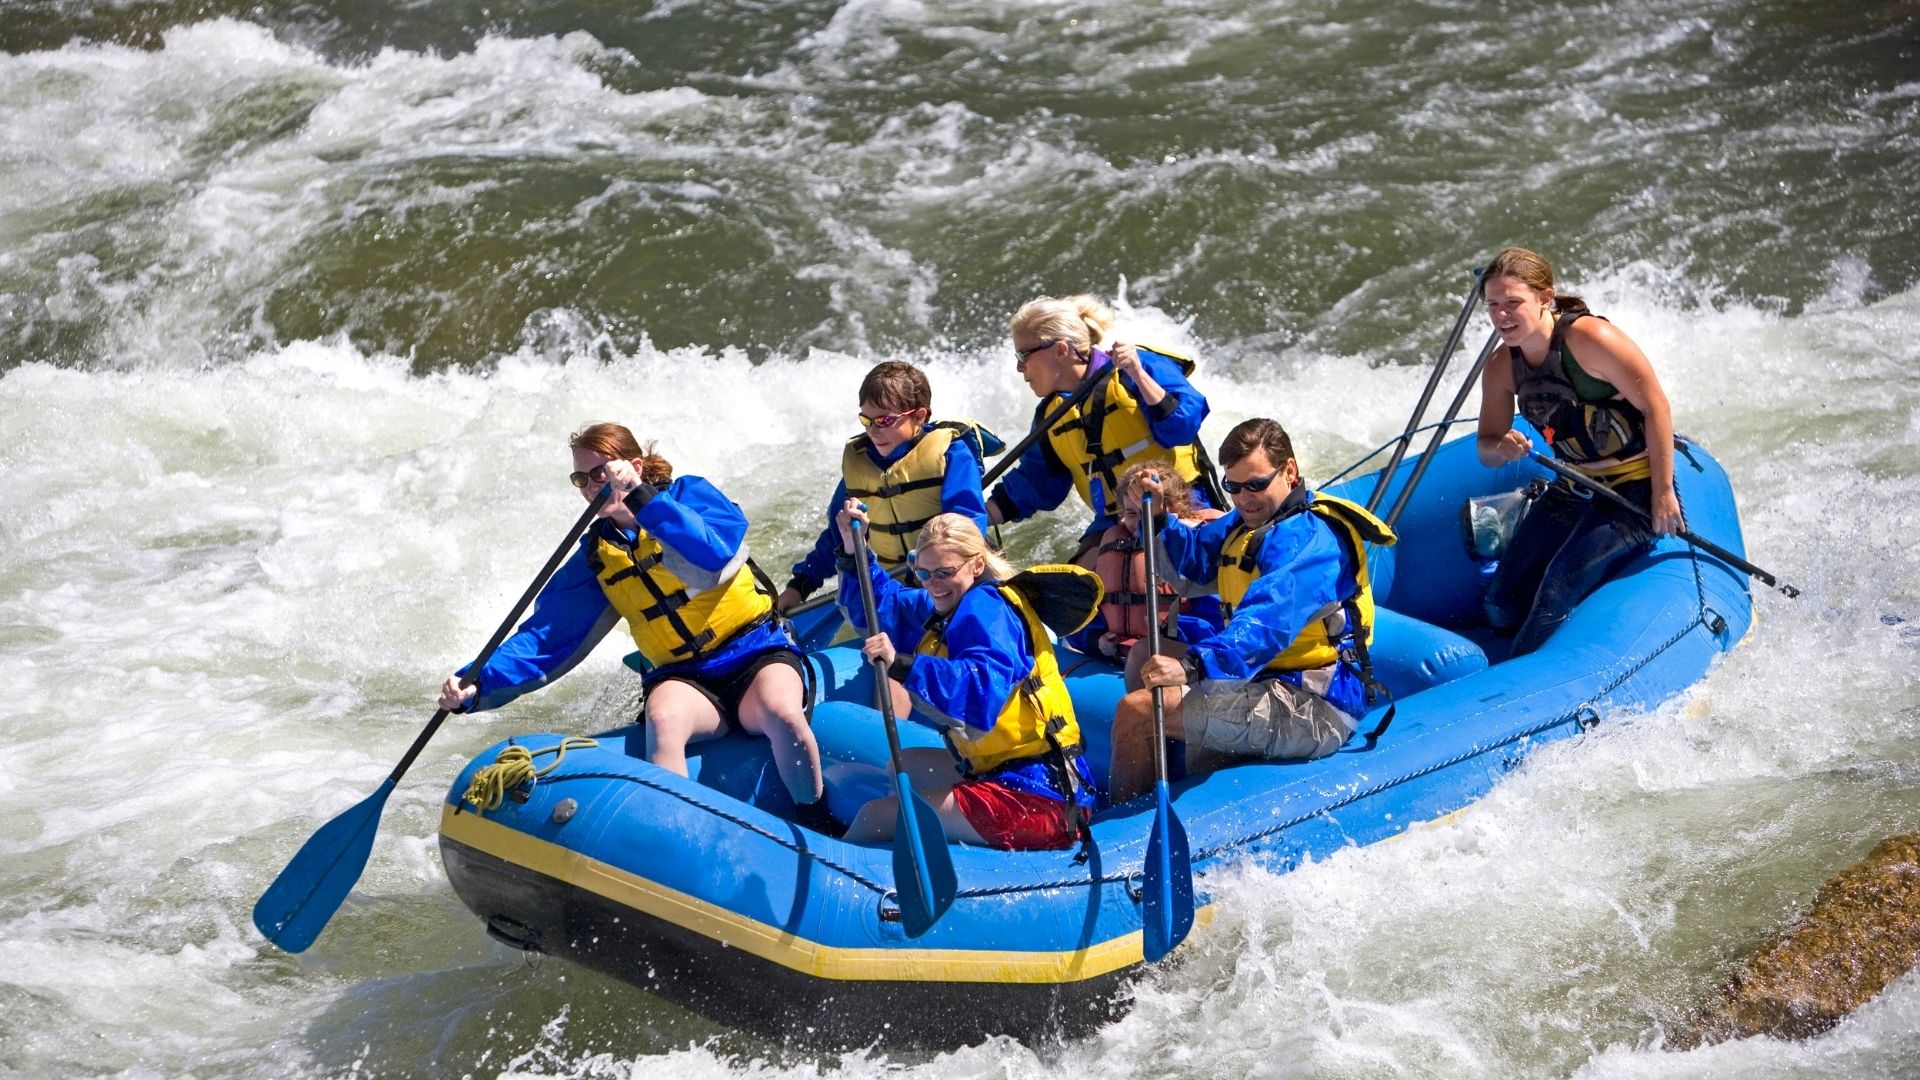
725, 691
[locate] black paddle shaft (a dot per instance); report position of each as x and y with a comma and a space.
1079, 395
1153, 635
1580, 479
1440, 430
1433, 382
506, 627
882, 693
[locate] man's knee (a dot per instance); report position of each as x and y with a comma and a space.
1269, 719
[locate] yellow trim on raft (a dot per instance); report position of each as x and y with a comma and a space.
737, 931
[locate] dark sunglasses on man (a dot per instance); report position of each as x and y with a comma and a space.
1259, 484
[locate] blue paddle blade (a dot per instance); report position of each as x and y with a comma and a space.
922, 863
296, 907
1167, 891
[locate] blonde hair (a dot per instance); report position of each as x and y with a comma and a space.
1176, 495
1081, 321
958, 534
616, 441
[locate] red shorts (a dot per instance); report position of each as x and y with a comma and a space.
1012, 820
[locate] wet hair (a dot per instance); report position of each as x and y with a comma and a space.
1176, 495
1081, 321
1532, 270
958, 534
617, 441
896, 384
1256, 434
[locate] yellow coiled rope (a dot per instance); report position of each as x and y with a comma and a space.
514, 767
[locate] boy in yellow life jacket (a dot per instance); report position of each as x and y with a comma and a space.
905, 468
1287, 676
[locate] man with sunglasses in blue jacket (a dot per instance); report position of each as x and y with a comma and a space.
1287, 677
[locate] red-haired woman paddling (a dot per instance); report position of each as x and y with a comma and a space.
669, 556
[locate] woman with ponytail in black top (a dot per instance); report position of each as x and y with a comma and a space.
1591, 392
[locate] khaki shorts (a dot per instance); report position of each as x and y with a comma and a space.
1268, 718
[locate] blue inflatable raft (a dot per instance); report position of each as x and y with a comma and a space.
702, 890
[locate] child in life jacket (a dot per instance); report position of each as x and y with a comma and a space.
906, 468
1122, 566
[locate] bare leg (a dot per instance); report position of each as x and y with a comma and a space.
932, 774
1131, 773
677, 714
773, 707
903, 702
1137, 657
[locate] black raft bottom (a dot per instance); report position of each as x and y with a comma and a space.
537, 913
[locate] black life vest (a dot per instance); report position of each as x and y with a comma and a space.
1584, 418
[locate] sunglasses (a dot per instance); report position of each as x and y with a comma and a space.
1235, 487
884, 422
1020, 355
582, 479
940, 573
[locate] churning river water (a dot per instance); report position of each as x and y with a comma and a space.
299, 302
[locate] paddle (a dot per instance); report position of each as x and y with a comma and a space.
1426, 396
296, 907
922, 864
1575, 476
1167, 892
1440, 431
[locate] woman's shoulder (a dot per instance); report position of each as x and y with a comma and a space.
1598, 346
986, 602
692, 485
1590, 329
1164, 362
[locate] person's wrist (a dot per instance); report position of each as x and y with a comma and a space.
638, 498
1190, 667
900, 666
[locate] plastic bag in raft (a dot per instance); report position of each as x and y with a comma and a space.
1489, 521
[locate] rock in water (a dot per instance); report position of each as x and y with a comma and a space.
1862, 933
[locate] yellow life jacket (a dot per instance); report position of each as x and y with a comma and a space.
1039, 715
1318, 643
1106, 433
902, 497
671, 622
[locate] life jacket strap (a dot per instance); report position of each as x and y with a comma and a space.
889, 491
1060, 764
640, 566
696, 644
900, 528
